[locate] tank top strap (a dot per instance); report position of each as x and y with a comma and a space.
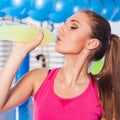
52, 74
49, 79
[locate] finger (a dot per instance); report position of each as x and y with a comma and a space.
40, 37
35, 43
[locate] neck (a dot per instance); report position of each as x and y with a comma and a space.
75, 69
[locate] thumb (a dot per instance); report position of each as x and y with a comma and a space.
32, 45
39, 39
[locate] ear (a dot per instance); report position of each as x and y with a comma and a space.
92, 44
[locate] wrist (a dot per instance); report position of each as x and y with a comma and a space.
18, 53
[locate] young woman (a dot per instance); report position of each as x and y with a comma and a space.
69, 92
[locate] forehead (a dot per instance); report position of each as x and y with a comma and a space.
83, 20
79, 16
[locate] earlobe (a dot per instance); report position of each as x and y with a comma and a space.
92, 44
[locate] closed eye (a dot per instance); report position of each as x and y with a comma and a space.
73, 27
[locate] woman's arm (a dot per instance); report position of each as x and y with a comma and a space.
26, 87
7, 96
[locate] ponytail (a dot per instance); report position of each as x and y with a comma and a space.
109, 80
109, 77
115, 48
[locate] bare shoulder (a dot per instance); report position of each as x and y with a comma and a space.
38, 76
39, 71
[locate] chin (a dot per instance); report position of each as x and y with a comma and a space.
59, 50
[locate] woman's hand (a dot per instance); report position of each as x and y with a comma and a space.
10, 68
27, 47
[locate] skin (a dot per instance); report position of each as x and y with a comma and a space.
77, 47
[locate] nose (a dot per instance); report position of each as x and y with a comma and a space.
61, 29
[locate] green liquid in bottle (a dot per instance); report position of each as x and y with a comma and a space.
25, 33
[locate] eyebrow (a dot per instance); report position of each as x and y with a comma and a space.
72, 20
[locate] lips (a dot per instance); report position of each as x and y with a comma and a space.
59, 39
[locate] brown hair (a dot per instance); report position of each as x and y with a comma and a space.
109, 76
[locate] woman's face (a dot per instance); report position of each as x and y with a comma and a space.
73, 35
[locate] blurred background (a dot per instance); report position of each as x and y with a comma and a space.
46, 14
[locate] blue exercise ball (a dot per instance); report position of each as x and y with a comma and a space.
96, 6
61, 10
17, 8
116, 14
2, 14
108, 9
40, 9
57, 17
3, 4
38, 15
80, 5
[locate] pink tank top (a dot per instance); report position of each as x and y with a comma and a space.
49, 106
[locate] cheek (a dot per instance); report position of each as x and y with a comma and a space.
77, 42
70, 45
77, 46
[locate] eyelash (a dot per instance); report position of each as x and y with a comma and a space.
73, 27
